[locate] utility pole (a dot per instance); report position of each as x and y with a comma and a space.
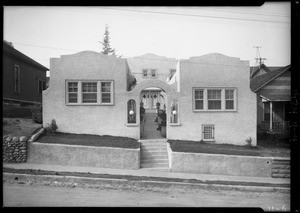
259, 61
258, 58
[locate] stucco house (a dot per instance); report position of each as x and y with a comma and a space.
273, 89
206, 97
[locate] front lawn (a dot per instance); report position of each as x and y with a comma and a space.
264, 148
89, 140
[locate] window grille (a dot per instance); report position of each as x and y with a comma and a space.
208, 132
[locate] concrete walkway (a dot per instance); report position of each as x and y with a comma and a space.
149, 173
150, 127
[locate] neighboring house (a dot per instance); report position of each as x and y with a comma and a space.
207, 98
273, 90
260, 70
47, 82
23, 78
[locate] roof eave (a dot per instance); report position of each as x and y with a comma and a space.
272, 78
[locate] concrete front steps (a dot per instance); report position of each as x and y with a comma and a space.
281, 168
154, 154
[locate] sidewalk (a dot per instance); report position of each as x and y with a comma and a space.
204, 178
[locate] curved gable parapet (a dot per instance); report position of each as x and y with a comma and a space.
217, 58
89, 53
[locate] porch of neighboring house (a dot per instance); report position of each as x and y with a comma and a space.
275, 116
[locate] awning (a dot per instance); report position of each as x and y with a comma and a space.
276, 97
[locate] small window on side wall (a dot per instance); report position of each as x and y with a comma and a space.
174, 112
131, 112
208, 132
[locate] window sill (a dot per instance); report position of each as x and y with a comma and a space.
131, 125
90, 104
175, 124
214, 110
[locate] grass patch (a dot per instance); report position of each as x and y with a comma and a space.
266, 149
89, 140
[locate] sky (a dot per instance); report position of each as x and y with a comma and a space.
44, 32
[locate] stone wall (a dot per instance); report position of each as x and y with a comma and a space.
14, 149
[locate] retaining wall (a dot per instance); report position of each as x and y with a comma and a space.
14, 149
75, 155
221, 164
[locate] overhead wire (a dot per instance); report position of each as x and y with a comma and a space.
194, 15
139, 57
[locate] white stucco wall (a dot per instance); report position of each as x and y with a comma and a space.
212, 70
150, 61
93, 119
216, 70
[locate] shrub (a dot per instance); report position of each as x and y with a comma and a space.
249, 141
37, 113
51, 128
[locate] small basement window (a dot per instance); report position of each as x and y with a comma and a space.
208, 132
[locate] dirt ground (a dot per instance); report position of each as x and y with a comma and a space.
19, 127
37, 195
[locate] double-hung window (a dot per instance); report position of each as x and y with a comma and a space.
229, 99
145, 73
153, 73
214, 99
88, 92
106, 92
73, 92
199, 98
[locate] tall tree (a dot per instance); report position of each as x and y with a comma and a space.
107, 50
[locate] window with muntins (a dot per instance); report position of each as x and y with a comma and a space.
199, 98
73, 92
88, 92
229, 99
214, 99
153, 73
105, 92
145, 73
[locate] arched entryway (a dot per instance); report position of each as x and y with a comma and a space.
161, 87
153, 113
